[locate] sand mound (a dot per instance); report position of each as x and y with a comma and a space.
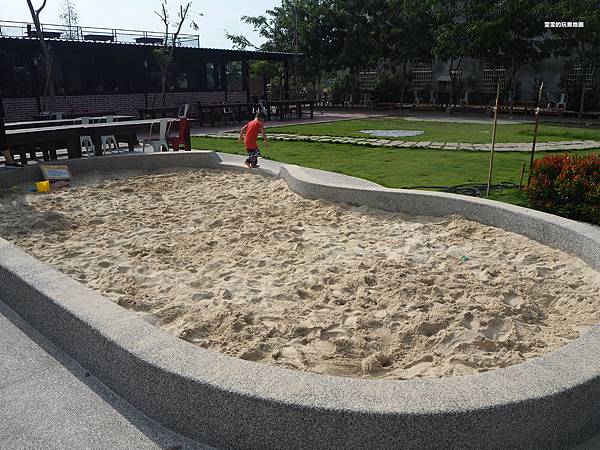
239, 264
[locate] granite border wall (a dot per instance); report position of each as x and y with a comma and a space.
547, 402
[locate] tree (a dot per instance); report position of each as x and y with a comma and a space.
70, 18
407, 31
164, 54
508, 36
46, 50
308, 28
239, 41
454, 33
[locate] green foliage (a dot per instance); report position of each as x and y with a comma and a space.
448, 131
389, 167
342, 85
265, 69
353, 35
567, 185
239, 41
389, 86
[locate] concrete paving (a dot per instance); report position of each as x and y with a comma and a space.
49, 401
500, 147
319, 117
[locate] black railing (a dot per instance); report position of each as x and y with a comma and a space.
95, 34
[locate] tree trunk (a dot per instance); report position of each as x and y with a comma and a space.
46, 50
451, 74
163, 85
582, 101
403, 85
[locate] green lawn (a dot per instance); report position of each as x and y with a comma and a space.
446, 132
394, 168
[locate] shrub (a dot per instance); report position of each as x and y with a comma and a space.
568, 186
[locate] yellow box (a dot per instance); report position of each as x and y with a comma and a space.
42, 186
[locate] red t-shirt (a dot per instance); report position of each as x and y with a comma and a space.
252, 131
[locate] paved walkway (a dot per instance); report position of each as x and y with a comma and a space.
49, 401
324, 117
394, 143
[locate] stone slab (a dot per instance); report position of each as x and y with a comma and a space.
547, 402
57, 404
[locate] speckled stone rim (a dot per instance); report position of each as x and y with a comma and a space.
547, 402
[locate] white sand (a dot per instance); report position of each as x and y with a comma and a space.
238, 263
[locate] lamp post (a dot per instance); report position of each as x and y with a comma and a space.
146, 83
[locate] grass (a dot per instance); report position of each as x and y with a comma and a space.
447, 132
413, 168
393, 167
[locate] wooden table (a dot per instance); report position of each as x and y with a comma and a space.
212, 113
159, 112
75, 115
59, 122
282, 106
18, 140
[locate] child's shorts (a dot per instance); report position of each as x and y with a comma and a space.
253, 155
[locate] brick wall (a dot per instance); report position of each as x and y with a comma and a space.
19, 109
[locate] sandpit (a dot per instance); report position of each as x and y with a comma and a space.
239, 264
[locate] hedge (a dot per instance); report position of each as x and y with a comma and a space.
568, 186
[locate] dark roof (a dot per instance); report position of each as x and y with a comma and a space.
140, 48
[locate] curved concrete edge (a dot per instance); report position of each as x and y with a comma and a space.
574, 237
104, 164
548, 402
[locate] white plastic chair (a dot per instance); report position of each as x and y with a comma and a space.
163, 132
107, 141
417, 100
348, 101
366, 101
261, 107
432, 99
229, 112
562, 102
183, 111
86, 141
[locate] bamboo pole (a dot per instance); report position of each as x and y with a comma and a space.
489, 183
535, 132
522, 175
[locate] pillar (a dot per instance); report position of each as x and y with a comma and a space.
246, 79
286, 79
223, 67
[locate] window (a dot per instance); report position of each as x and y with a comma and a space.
575, 75
367, 80
490, 75
421, 76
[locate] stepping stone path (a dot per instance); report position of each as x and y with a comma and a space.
500, 147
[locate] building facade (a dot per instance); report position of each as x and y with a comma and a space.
93, 72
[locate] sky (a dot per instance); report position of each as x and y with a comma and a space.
218, 15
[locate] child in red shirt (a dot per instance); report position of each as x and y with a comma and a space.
249, 135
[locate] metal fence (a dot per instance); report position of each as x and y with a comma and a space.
95, 34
